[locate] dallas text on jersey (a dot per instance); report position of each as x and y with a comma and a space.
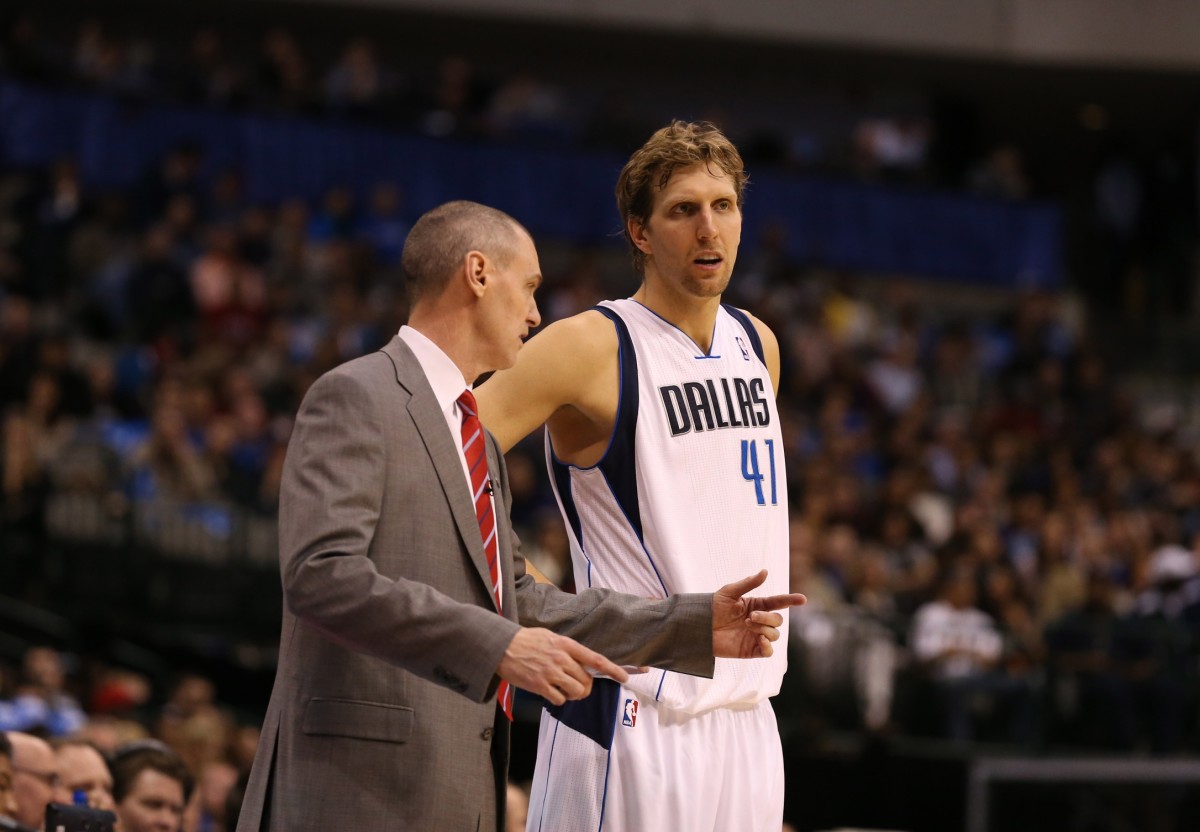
699, 406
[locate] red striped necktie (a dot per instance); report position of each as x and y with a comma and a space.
475, 450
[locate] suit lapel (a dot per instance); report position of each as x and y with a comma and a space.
444, 454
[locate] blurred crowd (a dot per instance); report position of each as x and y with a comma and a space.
1128, 197
156, 343
882, 132
171, 760
994, 541
159, 342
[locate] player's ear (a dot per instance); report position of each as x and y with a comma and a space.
476, 271
637, 232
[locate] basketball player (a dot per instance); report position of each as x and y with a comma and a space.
666, 458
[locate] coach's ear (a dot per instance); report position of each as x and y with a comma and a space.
637, 233
476, 269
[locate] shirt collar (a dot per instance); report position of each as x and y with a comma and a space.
443, 374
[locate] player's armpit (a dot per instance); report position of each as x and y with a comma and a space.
554, 369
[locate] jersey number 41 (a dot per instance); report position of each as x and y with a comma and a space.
752, 473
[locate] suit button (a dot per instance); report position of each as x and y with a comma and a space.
487, 734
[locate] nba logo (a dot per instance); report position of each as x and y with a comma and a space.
630, 717
742, 345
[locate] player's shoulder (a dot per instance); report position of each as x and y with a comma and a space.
589, 333
764, 332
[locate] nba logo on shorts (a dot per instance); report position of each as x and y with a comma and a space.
742, 345
630, 717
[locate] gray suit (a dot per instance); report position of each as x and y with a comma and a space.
383, 713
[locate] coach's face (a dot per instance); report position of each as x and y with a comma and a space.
507, 308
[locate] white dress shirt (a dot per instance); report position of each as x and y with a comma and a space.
448, 384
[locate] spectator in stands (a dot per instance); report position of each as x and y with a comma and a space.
160, 301
36, 781
457, 101
210, 75
529, 108
383, 227
1061, 567
358, 84
151, 787
108, 733
23, 53
961, 650
1001, 174
284, 73
242, 746
1084, 647
117, 694
8, 799
229, 292
168, 465
18, 346
83, 769
177, 174
895, 377
233, 801
207, 810
191, 695
1158, 645
41, 701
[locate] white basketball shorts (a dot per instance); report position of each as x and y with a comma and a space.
617, 763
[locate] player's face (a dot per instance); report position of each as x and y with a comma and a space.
509, 308
692, 236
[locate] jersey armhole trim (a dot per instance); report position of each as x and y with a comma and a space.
751, 331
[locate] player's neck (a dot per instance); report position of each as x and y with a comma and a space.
695, 316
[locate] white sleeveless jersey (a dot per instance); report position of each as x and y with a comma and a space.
690, 494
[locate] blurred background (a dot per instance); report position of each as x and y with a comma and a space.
971, 223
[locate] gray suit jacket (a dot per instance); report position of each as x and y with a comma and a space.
383, 713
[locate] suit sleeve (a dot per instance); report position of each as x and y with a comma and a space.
673, 633
331, 497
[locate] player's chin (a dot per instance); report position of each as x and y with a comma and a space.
712, 286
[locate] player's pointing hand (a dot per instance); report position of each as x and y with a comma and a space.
743, 628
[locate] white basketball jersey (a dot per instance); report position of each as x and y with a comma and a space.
690, 494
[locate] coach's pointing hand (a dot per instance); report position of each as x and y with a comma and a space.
553, 666
743, 628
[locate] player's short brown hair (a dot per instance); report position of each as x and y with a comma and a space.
441, 238
680, 144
